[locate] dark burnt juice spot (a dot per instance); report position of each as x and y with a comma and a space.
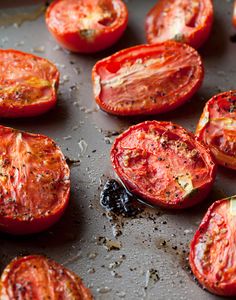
115, 198
233, 38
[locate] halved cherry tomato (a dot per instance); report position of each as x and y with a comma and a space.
163, 164
213, 249
147, 79
184, 21
39, 278
34, 182
87, 25
28, 84
217, 128
234, 14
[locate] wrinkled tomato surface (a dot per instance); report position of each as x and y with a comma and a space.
34, 182
184, 21
217, 128
87, 25
28, 84
147, 79
163, 164
213, 249
38, 278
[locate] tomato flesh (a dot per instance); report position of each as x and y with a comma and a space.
164, 164
184, 21
39, 278
28, 84
213, 249
147, 79
217, 128
87, 25
35, 185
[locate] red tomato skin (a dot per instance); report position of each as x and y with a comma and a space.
32, 109
22, 227
198, 37
151, 110
73, 41
225, 289
181, 203
234, 14
9, 288
19, 226
28, 111
201, 131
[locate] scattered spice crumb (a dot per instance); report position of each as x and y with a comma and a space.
152, 277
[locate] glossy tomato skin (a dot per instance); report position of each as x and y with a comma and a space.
217, 128
29, 84
163, 164
35, 182
37, 277
147, 79
234, 14
212, 249
89, 35
184, 21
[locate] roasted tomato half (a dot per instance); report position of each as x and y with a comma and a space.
163, 164
34, 182
147, 79
217, 128
28, 84
184, 21
39, 278
87, 25
213, 249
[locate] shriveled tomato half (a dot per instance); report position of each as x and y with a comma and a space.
213, 249
34, 182
163, 164
87, 25
147, 79
184, 21
28, 84
38, 278
217, 128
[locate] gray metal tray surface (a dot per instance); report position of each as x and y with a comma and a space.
156, 241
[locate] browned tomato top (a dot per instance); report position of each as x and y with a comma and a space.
181, 20
163, 163
217, 128
34, 176
213, 248
26, 79
38, 278
87, 17
147, 79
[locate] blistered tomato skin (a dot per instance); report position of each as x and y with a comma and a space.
34, 182
213, 249
163, 164
184, 21
87, 26
147, 79
38, 278
28, 84
217, 128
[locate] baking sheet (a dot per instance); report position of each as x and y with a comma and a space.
155, 240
